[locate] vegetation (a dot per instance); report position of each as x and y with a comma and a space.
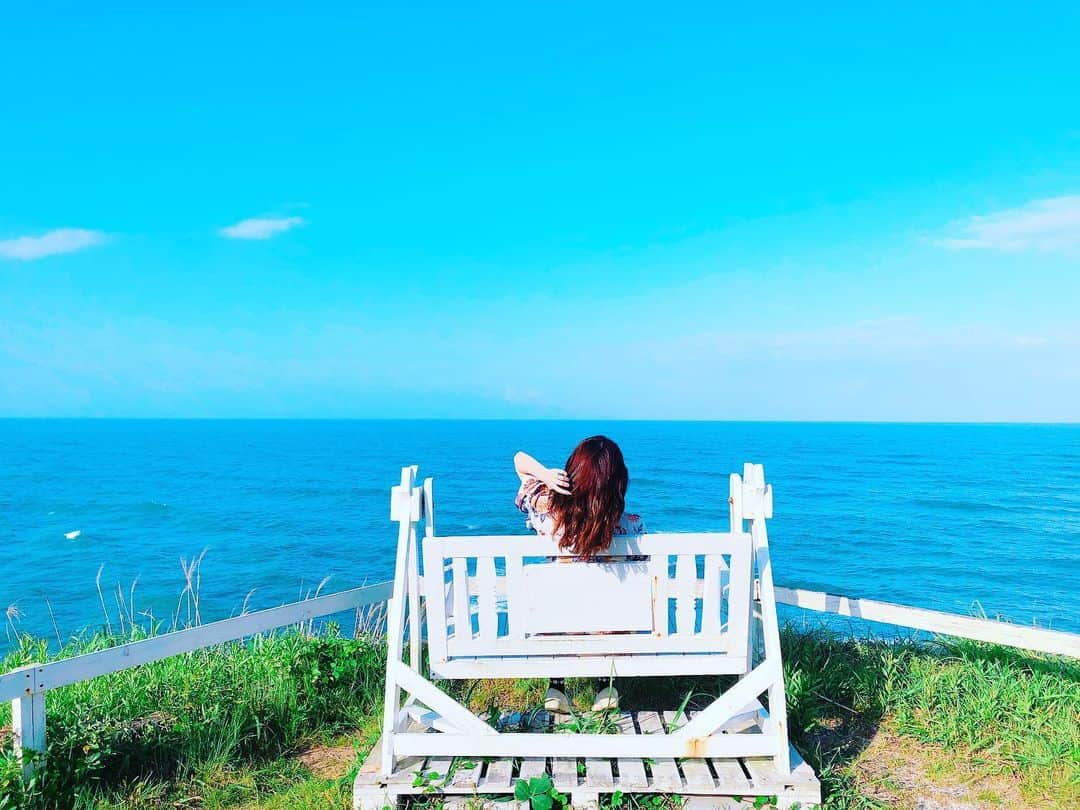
224, 727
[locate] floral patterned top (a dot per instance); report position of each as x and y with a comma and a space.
534, 499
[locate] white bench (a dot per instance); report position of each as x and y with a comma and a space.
658, 604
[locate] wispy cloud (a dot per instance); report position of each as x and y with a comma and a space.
50, 243
1049, 225
261, 227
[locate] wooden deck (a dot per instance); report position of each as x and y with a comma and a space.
478, 782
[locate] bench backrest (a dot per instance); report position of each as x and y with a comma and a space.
654, 604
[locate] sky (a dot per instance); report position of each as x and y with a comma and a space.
826, 212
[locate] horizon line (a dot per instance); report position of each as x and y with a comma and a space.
985, 422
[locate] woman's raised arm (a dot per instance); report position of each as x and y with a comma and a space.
528, 467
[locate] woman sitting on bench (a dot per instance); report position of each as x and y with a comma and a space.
582, 507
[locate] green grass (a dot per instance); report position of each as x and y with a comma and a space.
162, 728
219, 728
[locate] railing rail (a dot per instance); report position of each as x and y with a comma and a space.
1039, 639
26, 687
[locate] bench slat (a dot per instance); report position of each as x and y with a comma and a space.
498, 774
533, 766
685, 580
598, 774
665, 772
631, 769
462, 620
564, 773
486, 616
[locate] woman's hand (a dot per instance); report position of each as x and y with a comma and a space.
556, 480
528, 467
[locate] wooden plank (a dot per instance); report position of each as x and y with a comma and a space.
532, 766
685, 580
466, 773
515, 587
426, 692
598, 774
487, 618
406, 769
1055, 642
124, 656
564, 773
28, 727
593, 598
435, 600
724, 707
592, 666
607, 746
730, 777
658, 568
580, 644
696, 771
440, 766
497, 775
631, 769
412, 574
530, 545
460, 578
369, 771
712, 595
665, 774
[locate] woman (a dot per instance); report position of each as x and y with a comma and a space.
582, 507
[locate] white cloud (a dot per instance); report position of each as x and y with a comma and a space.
61, 240
261, 227
1049, 225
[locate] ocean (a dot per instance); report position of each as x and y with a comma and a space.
945, 516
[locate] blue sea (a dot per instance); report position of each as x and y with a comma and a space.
952, 517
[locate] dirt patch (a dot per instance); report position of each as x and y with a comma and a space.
905, 773
328, 762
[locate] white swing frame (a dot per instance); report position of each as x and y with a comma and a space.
451, 729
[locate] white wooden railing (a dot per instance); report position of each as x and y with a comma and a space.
26, 687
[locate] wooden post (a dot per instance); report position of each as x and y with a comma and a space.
28, 723
405, 510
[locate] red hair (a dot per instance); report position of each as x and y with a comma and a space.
589, 515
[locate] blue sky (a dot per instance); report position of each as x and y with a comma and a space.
502, 211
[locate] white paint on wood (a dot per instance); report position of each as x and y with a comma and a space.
516, 597
712, 597
533, 766
423, 690
631, 769
497, 775
588, 598
723, 708
1038, 639
598, 774
665, 772
564, 773
608, 746
600, 666
28, 727
124, 656
462, 615
642, 545
486, 615
685, 580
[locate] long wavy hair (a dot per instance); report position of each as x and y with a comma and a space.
588, 516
